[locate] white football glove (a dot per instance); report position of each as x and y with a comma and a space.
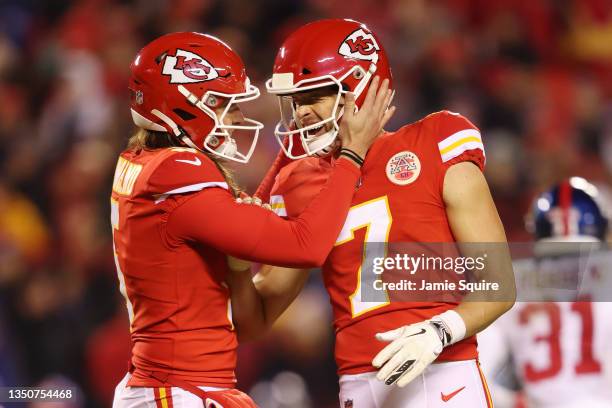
412, 349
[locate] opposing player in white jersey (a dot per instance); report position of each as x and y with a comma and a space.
559, 350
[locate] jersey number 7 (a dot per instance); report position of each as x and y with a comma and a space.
375, 217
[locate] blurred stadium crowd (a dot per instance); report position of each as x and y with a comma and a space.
535, 76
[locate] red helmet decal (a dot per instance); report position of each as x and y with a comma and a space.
360, 44
187, 67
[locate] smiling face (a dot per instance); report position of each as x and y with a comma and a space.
314, 106
309, 122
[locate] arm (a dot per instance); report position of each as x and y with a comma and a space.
265, 187
279, 287
252, 233
258, 302
212, 217
473, 219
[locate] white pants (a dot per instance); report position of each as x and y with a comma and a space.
160, 397
457, 384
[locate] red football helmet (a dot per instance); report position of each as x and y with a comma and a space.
337, 52
178, 81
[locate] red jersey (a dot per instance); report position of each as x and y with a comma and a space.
399, 200
174, 221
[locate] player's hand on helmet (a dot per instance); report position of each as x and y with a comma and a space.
411, 350
358, 130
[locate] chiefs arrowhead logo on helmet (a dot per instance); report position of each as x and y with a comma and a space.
186, 68
360, 44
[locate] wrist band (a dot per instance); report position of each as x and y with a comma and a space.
352, 152
354, 159
351, 155
451, 326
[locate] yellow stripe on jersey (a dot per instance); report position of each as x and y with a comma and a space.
459, 142
162, 397
278, 205
485, 386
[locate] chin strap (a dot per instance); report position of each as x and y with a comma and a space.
365, 81
326, 139
185, 139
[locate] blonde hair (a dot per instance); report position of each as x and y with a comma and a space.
145, 139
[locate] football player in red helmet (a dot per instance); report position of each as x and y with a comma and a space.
422, 184
305, 67
175, 217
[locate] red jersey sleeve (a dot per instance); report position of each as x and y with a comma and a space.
455, 140
263, 191
250, 232
458, 140
297, 184
183, 170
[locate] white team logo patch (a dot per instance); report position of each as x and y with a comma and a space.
360, 44
187, 68
403, 168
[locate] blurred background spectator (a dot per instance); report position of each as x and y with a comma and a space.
535, 76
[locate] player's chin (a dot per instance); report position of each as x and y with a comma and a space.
329, 150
